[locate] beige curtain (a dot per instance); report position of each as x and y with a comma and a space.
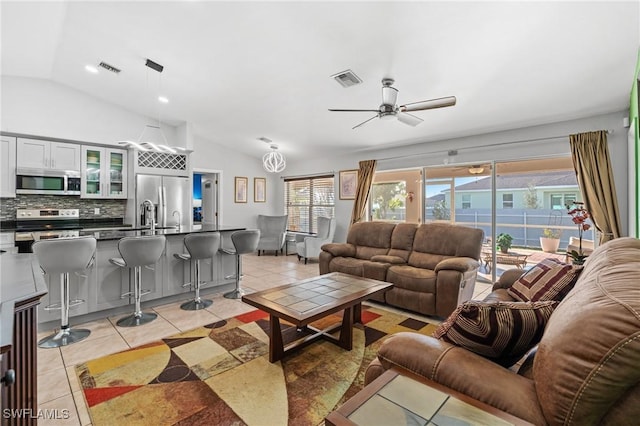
591, 161
365, 177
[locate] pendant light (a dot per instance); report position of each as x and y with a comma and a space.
273, 161
155, 132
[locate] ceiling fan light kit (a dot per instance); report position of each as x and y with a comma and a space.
389, 109
476, 170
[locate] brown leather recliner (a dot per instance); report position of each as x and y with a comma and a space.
586, 370
433, 266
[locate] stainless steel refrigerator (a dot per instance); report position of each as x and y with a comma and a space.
171, 196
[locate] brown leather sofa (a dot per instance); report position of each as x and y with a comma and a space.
586, 369
433, 266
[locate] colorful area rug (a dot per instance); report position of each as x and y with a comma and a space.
220, 374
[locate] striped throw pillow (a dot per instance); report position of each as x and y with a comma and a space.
501, 331
550, 279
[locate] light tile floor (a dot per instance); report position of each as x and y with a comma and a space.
58, 386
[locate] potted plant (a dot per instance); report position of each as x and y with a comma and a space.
579, 216
550, 240
503, 241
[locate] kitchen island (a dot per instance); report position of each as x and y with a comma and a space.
102, 285
21, 288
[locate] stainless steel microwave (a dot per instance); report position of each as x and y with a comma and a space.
52, 182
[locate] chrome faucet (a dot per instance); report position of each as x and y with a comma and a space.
150, 219
179, 218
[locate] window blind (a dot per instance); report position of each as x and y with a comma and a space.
306, 199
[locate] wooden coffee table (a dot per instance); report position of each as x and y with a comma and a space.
312, 299
400, 397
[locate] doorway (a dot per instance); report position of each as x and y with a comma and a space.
206, 198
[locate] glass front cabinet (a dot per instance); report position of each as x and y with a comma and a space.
104, 172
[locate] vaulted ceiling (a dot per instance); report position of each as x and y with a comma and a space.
238, 71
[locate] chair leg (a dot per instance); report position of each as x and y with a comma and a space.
66, 335
138, 317
197, 303
237, 292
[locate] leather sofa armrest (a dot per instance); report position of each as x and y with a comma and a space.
507, 278
461, 370
383, 258
340, 249
461, 264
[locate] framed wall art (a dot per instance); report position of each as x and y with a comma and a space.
259, 190
348, 184
240, 189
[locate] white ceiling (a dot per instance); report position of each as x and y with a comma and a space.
241, 70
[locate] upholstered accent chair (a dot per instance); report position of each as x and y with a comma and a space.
273, 231
310, 246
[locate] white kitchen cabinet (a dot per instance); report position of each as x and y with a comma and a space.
104, 172
39, 154
8, 166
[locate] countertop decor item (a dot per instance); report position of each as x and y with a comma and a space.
579, 216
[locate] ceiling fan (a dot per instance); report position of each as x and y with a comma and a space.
389, 110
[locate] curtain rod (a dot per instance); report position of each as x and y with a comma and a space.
398, 157
309, 176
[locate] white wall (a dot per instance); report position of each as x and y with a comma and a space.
43, 108
210, 156
477, 149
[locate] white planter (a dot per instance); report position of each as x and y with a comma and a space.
549, 245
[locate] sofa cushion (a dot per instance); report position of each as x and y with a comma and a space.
370, 235
414, 279
347, 265
550, 279
383, 258
502, 331
360, 267
448, 240
402, 240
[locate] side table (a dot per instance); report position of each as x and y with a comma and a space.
399, 398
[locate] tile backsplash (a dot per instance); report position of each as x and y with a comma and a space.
108, 208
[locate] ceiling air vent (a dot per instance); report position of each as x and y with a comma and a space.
347, 78
108, 67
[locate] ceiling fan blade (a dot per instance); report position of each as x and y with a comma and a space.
430, 104
364, 122
409, 119
354, 110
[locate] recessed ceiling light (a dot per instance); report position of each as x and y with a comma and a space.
163, 99
91, 69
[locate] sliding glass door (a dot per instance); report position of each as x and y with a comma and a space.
519, 207
462, 194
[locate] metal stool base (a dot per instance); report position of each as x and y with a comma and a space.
192, 305
234, 294
63, 338
134, 321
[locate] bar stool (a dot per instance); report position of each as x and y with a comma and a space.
62, 257
243, 242
137, 252
199, 246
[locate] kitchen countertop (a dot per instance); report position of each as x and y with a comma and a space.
20, 280
116, 234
